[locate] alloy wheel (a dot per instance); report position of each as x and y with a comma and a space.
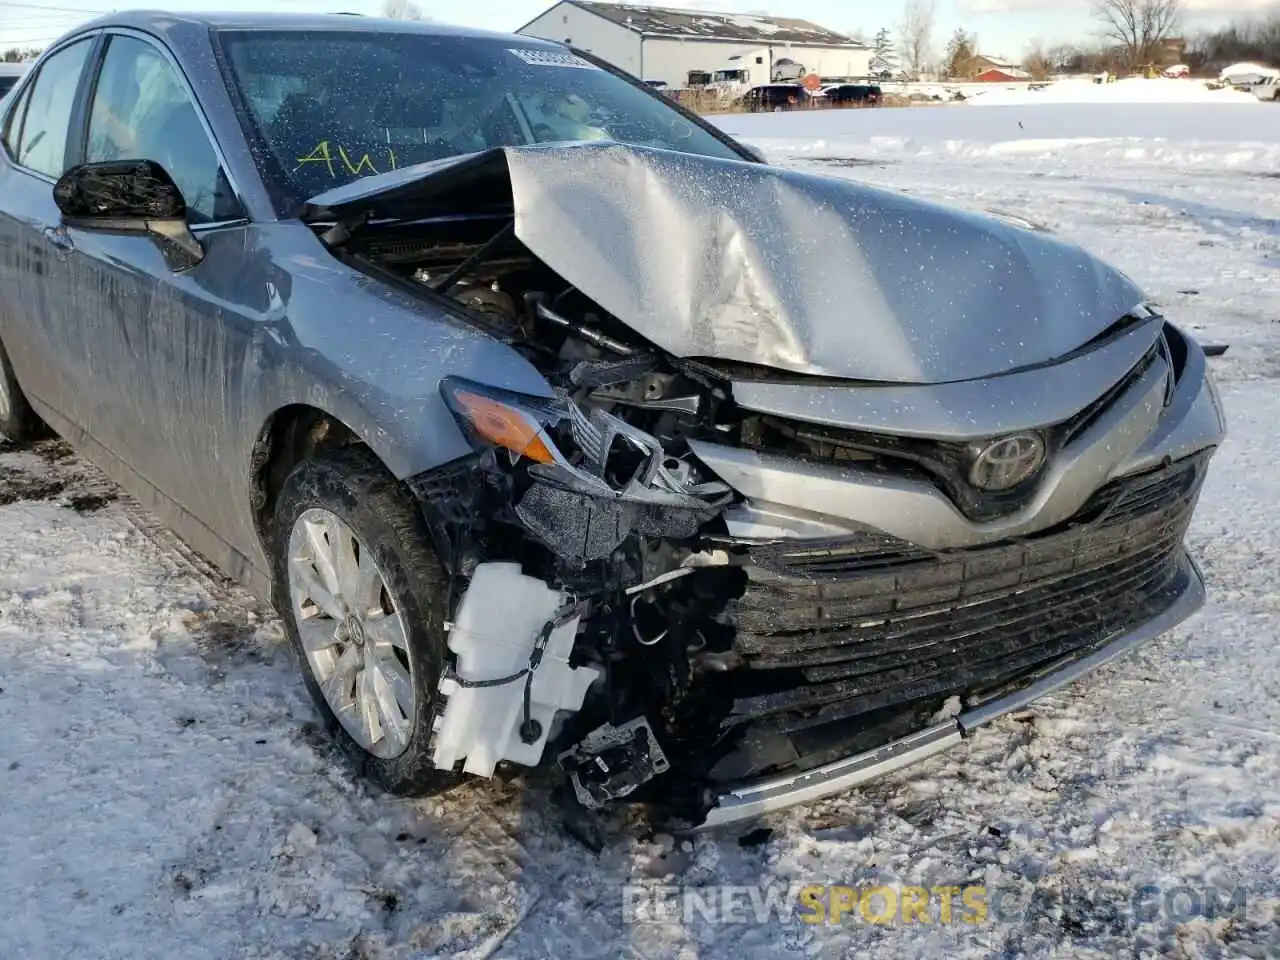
352, 632
6, 401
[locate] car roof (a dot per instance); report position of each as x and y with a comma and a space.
164, 23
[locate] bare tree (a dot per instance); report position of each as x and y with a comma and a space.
1065, 58
1138, 27
961, 54
402, 10
1257, 39
19, 54
1038, 62
919, 18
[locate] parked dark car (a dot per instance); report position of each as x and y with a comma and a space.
516, 389
853, 94
775, 97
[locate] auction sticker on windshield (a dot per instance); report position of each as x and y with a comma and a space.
550, 58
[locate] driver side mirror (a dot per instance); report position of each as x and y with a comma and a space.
129, 196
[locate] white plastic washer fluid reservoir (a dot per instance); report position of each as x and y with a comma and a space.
493, 636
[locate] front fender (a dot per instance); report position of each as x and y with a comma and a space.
373, 356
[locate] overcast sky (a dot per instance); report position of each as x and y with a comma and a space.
1004, 27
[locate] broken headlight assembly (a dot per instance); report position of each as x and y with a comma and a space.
513, 422
595, 479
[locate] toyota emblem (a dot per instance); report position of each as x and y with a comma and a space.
1008, 462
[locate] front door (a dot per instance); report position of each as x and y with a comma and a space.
36, 326
163, 342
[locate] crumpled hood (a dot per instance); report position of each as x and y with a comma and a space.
805, 273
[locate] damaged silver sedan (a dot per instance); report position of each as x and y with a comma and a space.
565, 434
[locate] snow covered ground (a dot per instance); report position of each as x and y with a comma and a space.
165, 793
1127, 90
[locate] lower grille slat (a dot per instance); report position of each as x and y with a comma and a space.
1015, 614
1082, 628
1046, 650
781, 650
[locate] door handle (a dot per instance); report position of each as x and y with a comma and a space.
60, 238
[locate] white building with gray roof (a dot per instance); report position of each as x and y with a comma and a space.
686, 47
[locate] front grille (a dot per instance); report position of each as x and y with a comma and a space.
852, 627
944, 463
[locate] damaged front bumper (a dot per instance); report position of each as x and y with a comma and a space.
755, 630
741, 804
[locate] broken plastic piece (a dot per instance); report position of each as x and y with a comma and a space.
601, 373
496, 637
612, 762
661, 479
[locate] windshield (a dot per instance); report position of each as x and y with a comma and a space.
327, 107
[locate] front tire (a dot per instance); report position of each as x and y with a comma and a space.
18, 422
364, 602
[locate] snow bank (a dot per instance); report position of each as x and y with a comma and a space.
1217, 136
1130, 90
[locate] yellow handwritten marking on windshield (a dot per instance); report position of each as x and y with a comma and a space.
319, 155
364, 162
364, 166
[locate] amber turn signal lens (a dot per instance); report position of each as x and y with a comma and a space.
505, 426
